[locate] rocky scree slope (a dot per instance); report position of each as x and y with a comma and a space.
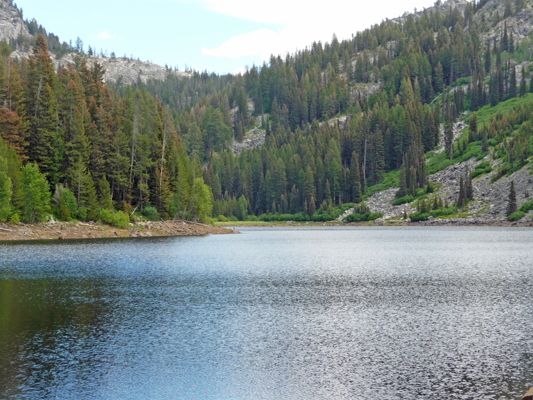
490, 198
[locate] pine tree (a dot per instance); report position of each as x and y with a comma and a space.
312, 207
461, 200
473, 133
448, 134
512, 83
485, 145
36, 200
106, 198
511, 203
505, 37
41, 107
488, 62
5, 191
469, 187
355, 179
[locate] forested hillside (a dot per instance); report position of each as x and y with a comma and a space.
65, 134
150, 147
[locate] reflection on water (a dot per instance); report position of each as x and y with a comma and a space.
356, 313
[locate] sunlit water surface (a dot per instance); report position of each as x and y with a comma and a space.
332, 313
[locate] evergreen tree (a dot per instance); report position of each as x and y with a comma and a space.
512, 83
488, 62
473, 133
469, 187
41, 107
462, 199
36, 194
355, 179
200, 200
5, 191
448, 134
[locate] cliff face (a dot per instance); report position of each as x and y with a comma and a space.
520, 24
124, 69
11, 22
128, 71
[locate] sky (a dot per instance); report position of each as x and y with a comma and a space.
221, 36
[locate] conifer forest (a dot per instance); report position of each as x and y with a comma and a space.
75, 147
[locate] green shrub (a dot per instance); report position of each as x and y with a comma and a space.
375, 216
417, 216
356, 217
526, 207
117, 219
5, 212
403, 200
121, 220
151, 213
443, 212
222, 218
82, 213
15, 219
516, 216
482, 168
362, 213
233, 218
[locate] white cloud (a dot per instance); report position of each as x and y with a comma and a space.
247, 44
301, 22
105, 35
238, 71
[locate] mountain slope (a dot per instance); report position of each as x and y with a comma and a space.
14, 30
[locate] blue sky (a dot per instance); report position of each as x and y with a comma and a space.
216, 35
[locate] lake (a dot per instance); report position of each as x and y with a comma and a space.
274, 313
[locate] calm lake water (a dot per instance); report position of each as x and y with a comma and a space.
332, 313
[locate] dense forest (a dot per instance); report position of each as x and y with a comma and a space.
164, 148
82, 149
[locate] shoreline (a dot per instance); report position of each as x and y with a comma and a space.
80, 230
434, 223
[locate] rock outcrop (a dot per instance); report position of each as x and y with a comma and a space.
126, 70
254, 138
520, 24
11, 23
121, 69
490, 198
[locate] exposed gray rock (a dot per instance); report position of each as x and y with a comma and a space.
520, 24
363, 90
457, 132
490, 199
124, 69
11, 23
252, 139
341, 121
382, 202
234, 110
129, 70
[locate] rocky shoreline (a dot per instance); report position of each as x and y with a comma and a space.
78, 230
